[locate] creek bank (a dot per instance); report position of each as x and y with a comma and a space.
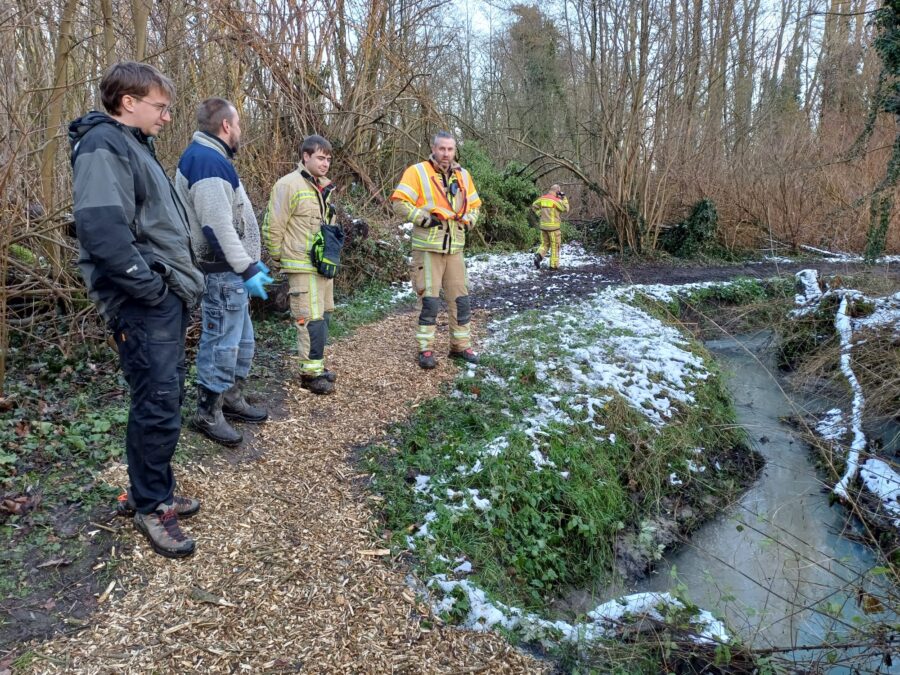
777, 566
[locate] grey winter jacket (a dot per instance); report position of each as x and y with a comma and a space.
224, 230
132, 230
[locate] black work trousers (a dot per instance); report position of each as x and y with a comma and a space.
151, 353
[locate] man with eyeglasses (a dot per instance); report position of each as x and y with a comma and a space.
139, 268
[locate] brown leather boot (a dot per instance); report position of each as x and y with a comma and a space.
234, 404
163, 532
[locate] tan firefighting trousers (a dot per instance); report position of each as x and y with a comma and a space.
432, 273
312, 302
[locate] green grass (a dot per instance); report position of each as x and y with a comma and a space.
544, 531
367, 305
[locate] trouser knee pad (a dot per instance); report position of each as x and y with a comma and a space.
318, 334
428, 315
463, 310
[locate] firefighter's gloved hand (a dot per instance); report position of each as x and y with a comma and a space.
434, 221
255, 285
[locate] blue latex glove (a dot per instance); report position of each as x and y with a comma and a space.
261, 265
254, 285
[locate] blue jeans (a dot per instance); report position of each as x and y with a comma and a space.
226, 340
151, 353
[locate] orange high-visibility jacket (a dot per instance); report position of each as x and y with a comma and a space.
549, 207
422, 192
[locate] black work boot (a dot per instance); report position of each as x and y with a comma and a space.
320, 384
467, 355
537, 261
185, 507
162, 531
427, 360
210, 421
235, 405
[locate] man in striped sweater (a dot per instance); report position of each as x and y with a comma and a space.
227, 244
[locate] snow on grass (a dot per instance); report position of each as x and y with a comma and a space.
481, 614
607, 344
486, 269
882, 481
831, 427
876, 476
602, 347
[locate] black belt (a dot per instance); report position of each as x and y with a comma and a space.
215, 267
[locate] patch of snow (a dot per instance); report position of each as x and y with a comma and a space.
486, 269
464, 568
882, 481
845, 331
831, 427
484, 615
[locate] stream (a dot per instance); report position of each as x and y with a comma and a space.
775, 564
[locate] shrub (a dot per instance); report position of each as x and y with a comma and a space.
694, 234
507, 198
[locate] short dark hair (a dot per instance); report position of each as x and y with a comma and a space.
314, 143
442, 134
211, 112
130, 78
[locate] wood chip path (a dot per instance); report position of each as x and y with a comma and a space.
288, 575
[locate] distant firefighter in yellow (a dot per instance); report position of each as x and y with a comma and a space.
548, 208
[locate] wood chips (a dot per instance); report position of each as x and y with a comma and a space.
290, 574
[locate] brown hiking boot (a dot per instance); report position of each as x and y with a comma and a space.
427, 360
185, 507
234, 404
320, 384
467, 355
163, 532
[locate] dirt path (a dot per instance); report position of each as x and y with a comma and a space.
550, 289
288, 575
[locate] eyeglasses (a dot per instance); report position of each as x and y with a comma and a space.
163, 108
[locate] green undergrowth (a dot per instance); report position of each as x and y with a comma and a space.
555, 527
367, 305
62, 419
741, 305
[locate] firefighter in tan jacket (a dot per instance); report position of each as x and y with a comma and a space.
548, 208
299, 230
439, 198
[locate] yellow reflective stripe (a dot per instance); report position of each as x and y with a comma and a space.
312, 366
429, 287
427, 190
303, 265
314, 300
301, 195
406, 190
425, 336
